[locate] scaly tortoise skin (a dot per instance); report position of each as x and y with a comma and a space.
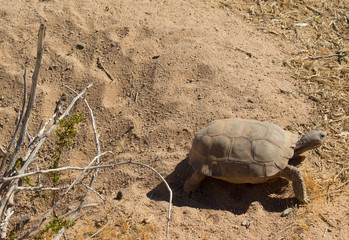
249, 151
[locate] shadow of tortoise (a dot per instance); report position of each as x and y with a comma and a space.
220, 195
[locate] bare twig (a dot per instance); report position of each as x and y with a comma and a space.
100, 230
5, 198
168, 187
42, 188
32, 153
342, 54
8, 179
30, 106
35, 227
24, 124
327, 220
102, 166
8, 150
75, 209
4, 151
101, 66
4, 223
96, 135
91, 189
162, 178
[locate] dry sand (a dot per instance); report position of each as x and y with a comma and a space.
174, 67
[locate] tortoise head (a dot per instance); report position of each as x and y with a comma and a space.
310, 140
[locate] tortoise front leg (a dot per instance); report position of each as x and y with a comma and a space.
193, 183
293, 174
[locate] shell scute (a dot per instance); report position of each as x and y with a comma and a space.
241, 150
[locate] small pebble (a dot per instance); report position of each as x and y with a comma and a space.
247, 223
119, 196
286, 212
81, 45
24, 220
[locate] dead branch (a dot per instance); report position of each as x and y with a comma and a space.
24, 124
58, 236
8, 150
30, 106
35, 227
91, 189
75, 209
92, 120
41, 140
9, 179
42, 188
31, 153
89, 167
96, 135
4, 223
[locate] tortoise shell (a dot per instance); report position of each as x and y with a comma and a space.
241, 151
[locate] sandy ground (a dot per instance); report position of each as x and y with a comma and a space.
174, 67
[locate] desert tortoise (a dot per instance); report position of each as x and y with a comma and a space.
249, 151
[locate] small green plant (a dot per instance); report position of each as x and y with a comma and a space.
27, 181
11, 235
66, 132
54, 226
18, 164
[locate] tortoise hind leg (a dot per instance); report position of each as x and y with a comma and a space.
193, 182
293, 174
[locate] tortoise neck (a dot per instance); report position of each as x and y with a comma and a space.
304, 144
299, 149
